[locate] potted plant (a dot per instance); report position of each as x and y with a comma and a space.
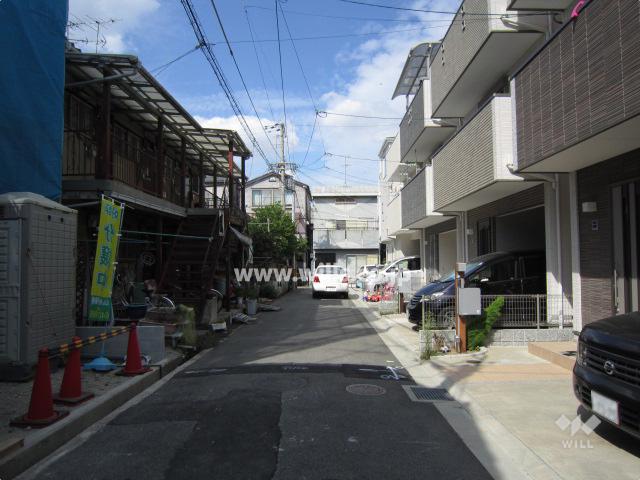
241, 294
252, 300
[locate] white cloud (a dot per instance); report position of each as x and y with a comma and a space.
128, 16
375, 66
232, 123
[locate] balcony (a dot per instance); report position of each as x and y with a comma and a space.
578, 98
545, 5
421, 135
417, 201
392, 217
471, 169
476, 53
356, 238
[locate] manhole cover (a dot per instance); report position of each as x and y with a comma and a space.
366, 389
423, 394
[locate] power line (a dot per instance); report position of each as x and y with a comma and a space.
235, 62
442, 12
158, 70
255, 49
351, 158
219, 74
344, 35
306, 81
323, 114
309, 14
284, 102
306, 154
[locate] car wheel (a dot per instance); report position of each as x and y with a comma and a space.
447, 318
314, 294
346, 295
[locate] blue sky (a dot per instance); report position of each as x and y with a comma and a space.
352, 74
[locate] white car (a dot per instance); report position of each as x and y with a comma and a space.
387, 274
364, 272
330, 279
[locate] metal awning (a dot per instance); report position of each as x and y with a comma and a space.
415, 69
137, 94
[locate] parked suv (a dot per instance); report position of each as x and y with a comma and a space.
606, 376
499, 273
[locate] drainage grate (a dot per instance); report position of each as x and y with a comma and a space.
424, 394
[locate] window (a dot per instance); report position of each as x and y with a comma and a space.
504, 270
325, 258
413, 264
356, 224
341, 224
345, 200
289, 197
534, 266
265, 196
333, 270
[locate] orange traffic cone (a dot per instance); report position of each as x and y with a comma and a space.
134, 363
41, 412
71, 387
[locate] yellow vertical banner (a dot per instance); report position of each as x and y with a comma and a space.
106, 257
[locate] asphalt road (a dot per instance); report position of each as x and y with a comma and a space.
275, 401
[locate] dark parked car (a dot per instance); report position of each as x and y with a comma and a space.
499, 273
606, 376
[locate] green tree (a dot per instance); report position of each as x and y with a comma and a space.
274, 234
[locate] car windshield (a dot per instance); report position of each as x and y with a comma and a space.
330, 270
471, 267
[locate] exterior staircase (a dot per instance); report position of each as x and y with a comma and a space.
191, 264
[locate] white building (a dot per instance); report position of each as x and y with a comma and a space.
345, 226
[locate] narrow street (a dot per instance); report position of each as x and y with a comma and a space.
273, 401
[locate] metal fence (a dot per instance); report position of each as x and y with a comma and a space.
518, 311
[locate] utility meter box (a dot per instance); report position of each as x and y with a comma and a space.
469, 301
37, 276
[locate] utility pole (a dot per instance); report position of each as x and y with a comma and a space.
283, 165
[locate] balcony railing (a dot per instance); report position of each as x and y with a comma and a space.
578, 98
392, 215
414, 199
356, 238
480, 47
472, 169
420, 135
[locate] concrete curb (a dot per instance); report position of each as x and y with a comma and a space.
500, 452
44, 442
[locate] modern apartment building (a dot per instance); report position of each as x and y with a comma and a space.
576, 120
520, 134
345, 226
395, 242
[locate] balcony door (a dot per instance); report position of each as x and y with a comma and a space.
625, 206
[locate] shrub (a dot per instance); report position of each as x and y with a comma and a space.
478, 331
268, 291
427, 335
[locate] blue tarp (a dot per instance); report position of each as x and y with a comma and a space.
32, 42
